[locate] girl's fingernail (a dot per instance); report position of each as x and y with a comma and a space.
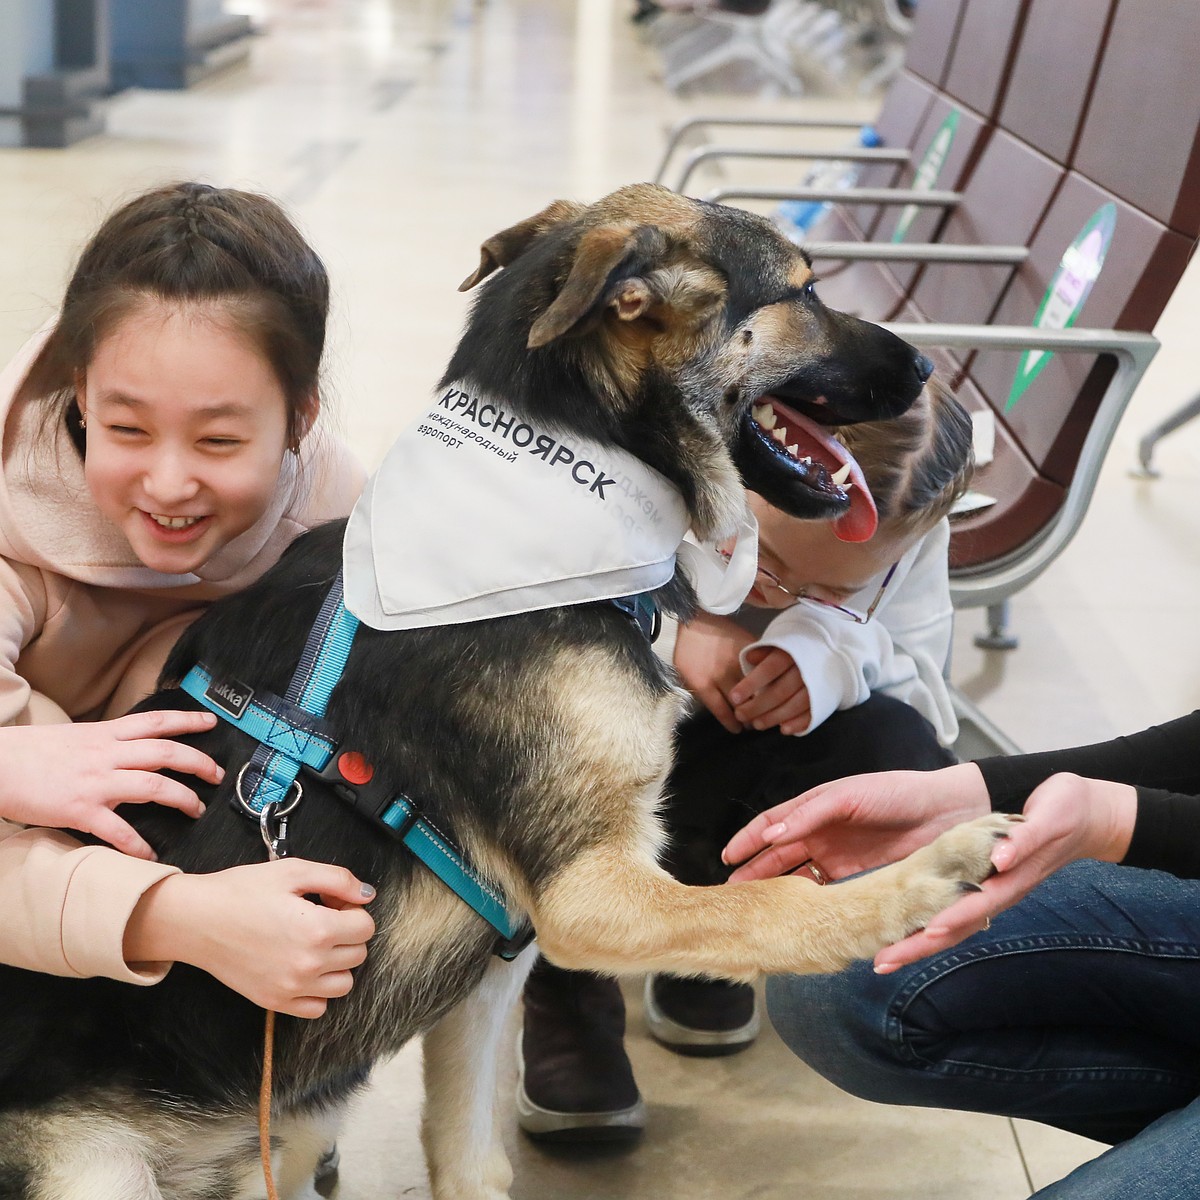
201, 809
886, 968
774, 832
936, 931
367, 891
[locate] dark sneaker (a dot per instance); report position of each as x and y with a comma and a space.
575, 1083
325, 1177
705, 1017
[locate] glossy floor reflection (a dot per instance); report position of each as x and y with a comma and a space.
402, 134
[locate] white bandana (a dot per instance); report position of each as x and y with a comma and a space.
476, 512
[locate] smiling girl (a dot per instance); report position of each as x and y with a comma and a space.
158, 452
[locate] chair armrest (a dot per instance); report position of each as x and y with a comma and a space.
855, 195
930, 252
683, 128
989, 583
866, 154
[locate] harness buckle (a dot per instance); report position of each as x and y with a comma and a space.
369, 798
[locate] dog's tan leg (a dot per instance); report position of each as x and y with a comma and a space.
460, 1128
613, 909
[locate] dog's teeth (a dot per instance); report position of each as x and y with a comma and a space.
764, 414
779, 433
841, 475
807, 461
846, 488
793, 450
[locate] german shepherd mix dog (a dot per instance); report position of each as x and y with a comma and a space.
537, 742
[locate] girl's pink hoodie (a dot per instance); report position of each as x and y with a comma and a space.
84, 628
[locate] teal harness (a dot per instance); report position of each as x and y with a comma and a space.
292, 736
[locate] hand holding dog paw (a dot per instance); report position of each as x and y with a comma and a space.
1065, 819
253, 929
72, 776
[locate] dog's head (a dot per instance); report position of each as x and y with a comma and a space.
692, 335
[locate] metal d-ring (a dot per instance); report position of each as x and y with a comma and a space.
281, 810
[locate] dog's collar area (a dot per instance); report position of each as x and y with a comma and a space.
643, 611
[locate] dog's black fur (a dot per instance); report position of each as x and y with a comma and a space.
461, 718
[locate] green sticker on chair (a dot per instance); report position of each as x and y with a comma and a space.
930, 167
1077, 271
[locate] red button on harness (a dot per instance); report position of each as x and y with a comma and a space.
355, 769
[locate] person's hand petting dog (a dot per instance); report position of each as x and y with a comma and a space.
858, 823
772, 693
253, 928
867, 821
72, 776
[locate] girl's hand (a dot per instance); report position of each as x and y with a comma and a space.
1066, 818
72, 776
772, 693
706, 657
855, 824
253, 929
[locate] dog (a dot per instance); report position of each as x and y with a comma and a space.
537, 741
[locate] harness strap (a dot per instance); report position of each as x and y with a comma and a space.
272, 771
435, 851
267, 718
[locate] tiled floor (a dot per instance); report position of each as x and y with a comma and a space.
402, 134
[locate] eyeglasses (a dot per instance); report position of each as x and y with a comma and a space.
850, 614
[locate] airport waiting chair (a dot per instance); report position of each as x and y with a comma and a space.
1049, 264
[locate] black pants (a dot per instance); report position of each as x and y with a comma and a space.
721, 780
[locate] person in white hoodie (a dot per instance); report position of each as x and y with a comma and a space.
158, 451
834, 666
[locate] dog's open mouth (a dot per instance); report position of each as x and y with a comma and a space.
819, 461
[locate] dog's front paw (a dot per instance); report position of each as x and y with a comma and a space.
957, 861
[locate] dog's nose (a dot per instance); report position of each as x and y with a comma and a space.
924, 367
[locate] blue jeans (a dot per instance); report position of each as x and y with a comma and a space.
1079, 1007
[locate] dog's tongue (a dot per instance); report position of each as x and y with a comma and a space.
861, 519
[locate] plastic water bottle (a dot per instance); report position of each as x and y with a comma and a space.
797, 217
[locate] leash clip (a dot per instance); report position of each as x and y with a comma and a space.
273, 825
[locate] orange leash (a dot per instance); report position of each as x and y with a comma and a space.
264, 1106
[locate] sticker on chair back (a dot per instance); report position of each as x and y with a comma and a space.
1077, 271
930, 167
230, 696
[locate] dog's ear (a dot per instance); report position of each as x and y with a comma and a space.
608, 262
509, 244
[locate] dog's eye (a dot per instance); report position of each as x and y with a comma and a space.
807, 292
